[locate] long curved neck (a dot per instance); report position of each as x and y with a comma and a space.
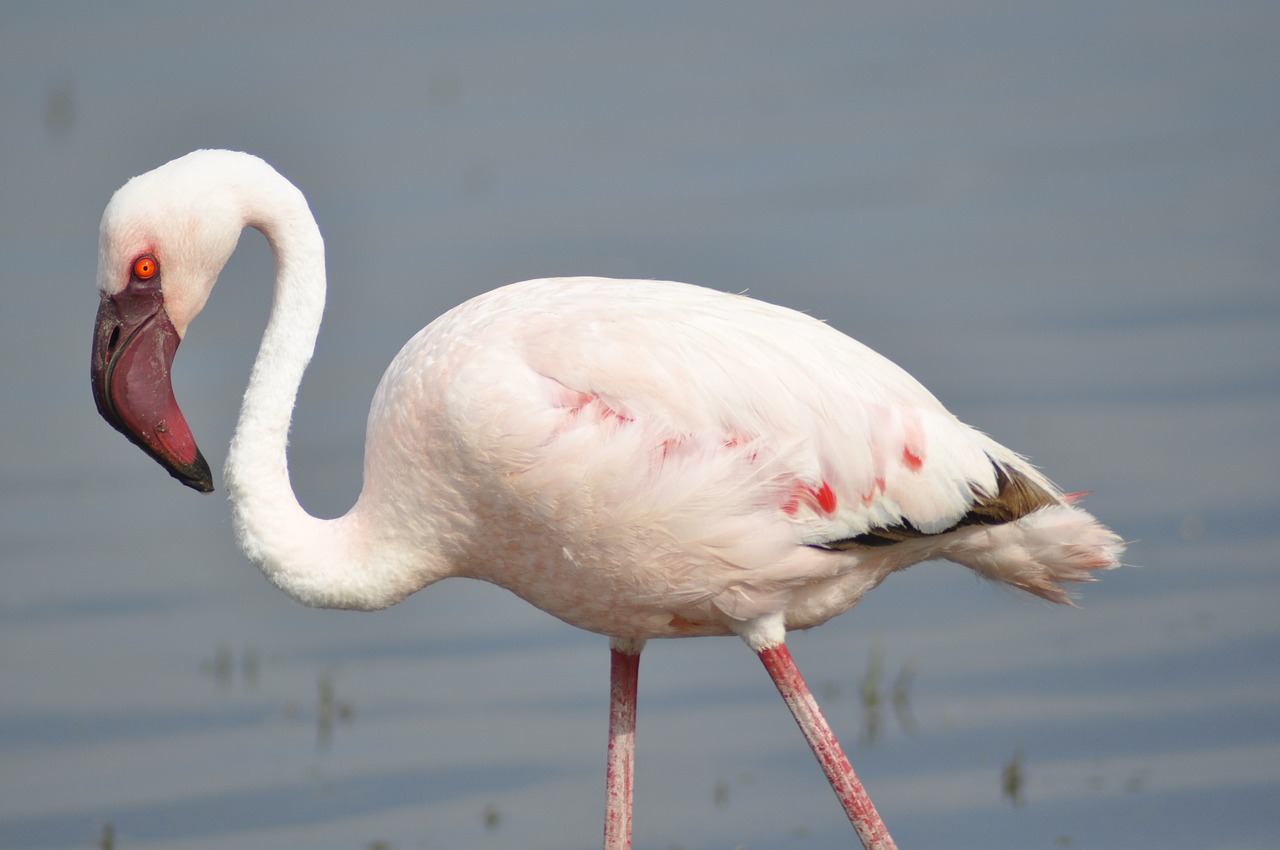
324, 563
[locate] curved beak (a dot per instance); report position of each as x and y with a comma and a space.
133, 346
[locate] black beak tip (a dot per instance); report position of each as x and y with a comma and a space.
197, 476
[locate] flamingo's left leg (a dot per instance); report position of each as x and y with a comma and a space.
857, 805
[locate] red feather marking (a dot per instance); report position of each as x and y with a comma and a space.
911, 459
737, 440
822, 499
581, 401
607, 412
826, 498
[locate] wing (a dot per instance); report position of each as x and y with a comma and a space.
693, 406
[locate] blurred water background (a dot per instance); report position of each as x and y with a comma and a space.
1063, 218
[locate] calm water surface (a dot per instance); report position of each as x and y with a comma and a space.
1062, 219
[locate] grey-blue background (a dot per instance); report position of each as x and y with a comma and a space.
1062, 217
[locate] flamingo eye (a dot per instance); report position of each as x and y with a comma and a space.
145, 268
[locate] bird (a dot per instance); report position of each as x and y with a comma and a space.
640, 459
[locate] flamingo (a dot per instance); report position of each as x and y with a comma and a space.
641, 459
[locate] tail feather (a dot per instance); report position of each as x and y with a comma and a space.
1040, 551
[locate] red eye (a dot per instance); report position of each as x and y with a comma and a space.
145, 268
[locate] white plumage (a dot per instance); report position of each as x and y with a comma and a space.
641, 459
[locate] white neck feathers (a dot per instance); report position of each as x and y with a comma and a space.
324, 563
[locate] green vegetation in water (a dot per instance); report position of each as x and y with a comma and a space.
872, 696
1013, 779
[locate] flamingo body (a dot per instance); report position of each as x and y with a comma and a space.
653, 459
641, 459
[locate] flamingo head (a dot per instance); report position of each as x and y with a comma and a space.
165, 236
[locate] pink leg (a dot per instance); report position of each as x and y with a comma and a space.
857, 805
624, 670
